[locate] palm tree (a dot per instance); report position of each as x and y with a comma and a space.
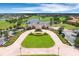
60, 30
51, 21
0, 33
62, 19
56, 19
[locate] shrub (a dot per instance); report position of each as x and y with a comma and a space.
28, 28
60, 30
38, 33
77, 42
33, 27
38, 30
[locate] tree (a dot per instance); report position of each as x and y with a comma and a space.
0, 33
60, 30
11, 20
77, 42
56, 19
62, 19
18, 24
51, 21
77, 34
5, 33
10, 27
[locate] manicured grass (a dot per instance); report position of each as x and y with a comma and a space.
45, 19
35, 41
66, 26
41, 55
4, 24
23, 25
13, 39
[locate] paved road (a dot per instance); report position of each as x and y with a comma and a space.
58, 48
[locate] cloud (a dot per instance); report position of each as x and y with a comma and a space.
59, 7
47, 8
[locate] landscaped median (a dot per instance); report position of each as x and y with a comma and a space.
38, 41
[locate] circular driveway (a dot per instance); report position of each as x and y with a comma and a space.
58, 48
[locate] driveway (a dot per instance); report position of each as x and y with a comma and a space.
58, 48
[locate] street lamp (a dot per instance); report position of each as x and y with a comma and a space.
20, 51
58, 51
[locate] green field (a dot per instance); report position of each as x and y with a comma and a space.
41, 18
24, 25
33, 41
41, 55
66, 26
5, 25
45, 19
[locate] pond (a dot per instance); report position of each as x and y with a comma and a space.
31, 21
37, 21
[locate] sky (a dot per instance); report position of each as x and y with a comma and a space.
39, 7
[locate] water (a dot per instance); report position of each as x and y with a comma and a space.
31, 21
36, 21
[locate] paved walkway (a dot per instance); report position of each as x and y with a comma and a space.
58, 48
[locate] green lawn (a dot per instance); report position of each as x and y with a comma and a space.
35, 41
41, 18
45, 19
4, 24
24, 25
66, 26
41, 55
